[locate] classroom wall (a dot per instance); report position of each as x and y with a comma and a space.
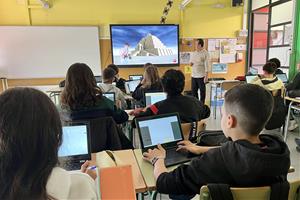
197, 20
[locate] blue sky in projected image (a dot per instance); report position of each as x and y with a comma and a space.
133, 34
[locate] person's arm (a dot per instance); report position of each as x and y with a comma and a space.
138, 93
206, 67
294, 84
120, 116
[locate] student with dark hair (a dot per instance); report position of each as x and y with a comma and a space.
151, 83
276, 61
243, 162
30, 136
189, 108
199, 64
82, 94
107, 86
120, 82
273, 84
268, 79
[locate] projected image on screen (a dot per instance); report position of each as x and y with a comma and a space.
74, 141
139, 44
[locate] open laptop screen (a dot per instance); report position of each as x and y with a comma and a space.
110, 96
249, 78
131, 85
135, 77
153, 97
160, 130
75, 141
282, 77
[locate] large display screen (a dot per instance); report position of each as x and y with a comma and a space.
135, 45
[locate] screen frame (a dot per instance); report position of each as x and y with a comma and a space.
64, 159
165, 145
141, 65
145, 94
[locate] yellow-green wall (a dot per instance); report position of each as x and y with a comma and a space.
198, 19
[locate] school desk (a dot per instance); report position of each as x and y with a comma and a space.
127, 157
292, 106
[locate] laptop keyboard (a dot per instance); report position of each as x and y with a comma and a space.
174, 157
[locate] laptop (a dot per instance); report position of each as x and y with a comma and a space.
131, 85
282, 77
249, 78
153, 97
110, 95
75, 147
135, 77
165, 130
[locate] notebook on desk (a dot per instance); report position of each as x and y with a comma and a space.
75, 147
165, 130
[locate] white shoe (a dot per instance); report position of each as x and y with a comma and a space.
292, 125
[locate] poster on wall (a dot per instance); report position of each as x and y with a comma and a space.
219, 68
227, 50
185, 57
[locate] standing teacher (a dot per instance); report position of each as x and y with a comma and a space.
199, 64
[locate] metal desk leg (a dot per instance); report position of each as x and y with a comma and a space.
287, 122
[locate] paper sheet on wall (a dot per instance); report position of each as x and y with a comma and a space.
219, 68
185, 57
187, 69
211, 45
227, 50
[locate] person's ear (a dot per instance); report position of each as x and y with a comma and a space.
231, 121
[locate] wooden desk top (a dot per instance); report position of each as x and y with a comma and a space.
147, 170
292, 99
127, 158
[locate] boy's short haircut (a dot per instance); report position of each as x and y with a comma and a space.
252, 106
108, 74
276, 61
114, 67
173, 82
270, 67
201, 42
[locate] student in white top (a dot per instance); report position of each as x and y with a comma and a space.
30, 136
199, 64
107, 86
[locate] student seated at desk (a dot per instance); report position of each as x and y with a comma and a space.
150, 83
273, 84
30, 136
268, 79
107, 86
248, 160
120, 82
189, 108
82, 94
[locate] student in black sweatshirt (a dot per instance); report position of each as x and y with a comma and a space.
248, 160
190, 109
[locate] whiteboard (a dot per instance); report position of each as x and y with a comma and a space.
47, 51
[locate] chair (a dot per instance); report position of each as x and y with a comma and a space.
250, 193
186, 128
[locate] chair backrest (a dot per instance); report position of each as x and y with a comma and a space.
227, 85
257, 193
186, 128
294, 186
